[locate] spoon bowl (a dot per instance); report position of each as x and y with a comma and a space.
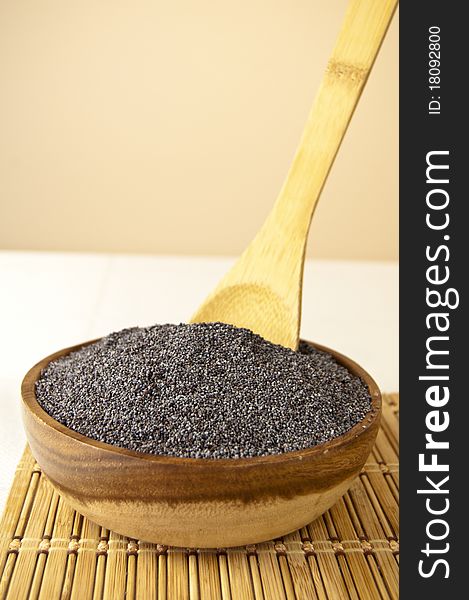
196, 502
256, 306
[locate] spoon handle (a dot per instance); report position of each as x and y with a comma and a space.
277, 253
363, 30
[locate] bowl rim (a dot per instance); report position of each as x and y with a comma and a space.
30, 402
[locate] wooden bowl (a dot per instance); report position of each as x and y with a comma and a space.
196, 502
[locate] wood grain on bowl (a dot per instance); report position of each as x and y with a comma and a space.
196, 502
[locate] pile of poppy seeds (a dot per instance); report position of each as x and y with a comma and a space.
206, 390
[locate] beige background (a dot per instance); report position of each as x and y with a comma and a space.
168, 126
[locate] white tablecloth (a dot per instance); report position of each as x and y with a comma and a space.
52, 300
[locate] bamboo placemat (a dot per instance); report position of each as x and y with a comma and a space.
49, 551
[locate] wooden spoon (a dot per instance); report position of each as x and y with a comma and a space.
263, 289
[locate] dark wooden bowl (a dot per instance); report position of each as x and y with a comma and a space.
196, 502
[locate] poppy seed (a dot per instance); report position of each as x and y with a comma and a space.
206, 390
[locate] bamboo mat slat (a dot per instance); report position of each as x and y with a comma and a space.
48, 551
